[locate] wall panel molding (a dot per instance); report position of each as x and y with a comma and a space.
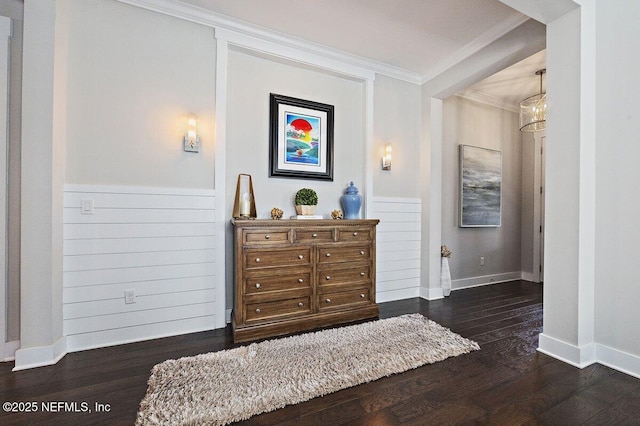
159, 242
398, 247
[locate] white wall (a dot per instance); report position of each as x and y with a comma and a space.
618, 200
471, 123
158, 243
130, 90
251, 80
134, 77
14, 10
562, 200
112, 112
397, 121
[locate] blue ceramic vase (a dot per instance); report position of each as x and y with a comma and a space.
351, 202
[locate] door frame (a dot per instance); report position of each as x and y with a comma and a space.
538, 206
5, 34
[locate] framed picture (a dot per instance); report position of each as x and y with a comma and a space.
301, 138
480, 187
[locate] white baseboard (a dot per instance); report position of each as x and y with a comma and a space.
618, 360
530, 276
40, 356
485, 280
391, 295
431, 293
10, 349
228, 315
577, 356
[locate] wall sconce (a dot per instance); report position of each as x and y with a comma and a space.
386, 158
191, 138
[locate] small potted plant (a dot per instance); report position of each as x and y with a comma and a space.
306, 201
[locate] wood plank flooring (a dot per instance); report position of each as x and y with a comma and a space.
507, 382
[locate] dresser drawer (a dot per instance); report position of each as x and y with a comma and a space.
340, 300
266, 236
266, 311
277, 280
331, 254
355, 275
313, 235
264, 258
355, 234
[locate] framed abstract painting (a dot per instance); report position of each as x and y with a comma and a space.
480, 187
301, 138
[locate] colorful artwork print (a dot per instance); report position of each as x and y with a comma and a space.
481, 186
302, 139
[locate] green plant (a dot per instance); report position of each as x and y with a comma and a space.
306, 197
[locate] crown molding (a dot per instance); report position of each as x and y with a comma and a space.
260, 38
485, 99
476, 45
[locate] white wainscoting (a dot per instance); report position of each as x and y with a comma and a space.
398, 247
159, 242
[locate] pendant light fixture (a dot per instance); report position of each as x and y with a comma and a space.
533, 110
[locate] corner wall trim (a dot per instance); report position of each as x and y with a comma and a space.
40, 356
580, 357
431, 293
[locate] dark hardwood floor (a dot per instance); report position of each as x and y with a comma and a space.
507, 382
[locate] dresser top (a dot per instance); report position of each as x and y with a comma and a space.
260, 223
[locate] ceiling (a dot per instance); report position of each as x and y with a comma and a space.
510, 86
424, 37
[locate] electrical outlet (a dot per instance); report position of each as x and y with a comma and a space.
130, 296
481, 260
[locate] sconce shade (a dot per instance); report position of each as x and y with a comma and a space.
533, 110
386, 158
191, 139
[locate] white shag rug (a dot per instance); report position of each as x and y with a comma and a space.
222, 387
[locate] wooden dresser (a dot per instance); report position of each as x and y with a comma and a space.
294, 275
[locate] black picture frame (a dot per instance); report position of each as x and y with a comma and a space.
300, 138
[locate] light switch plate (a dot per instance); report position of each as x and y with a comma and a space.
86, 206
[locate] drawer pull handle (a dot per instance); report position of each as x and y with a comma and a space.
328, 277
328, 254
257, 259
314, 235
300, 280
300, 304
257, 285
362, 252
267, 236
258, 311
355, 234
328, 300
362, 295
362, 274
300, 256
